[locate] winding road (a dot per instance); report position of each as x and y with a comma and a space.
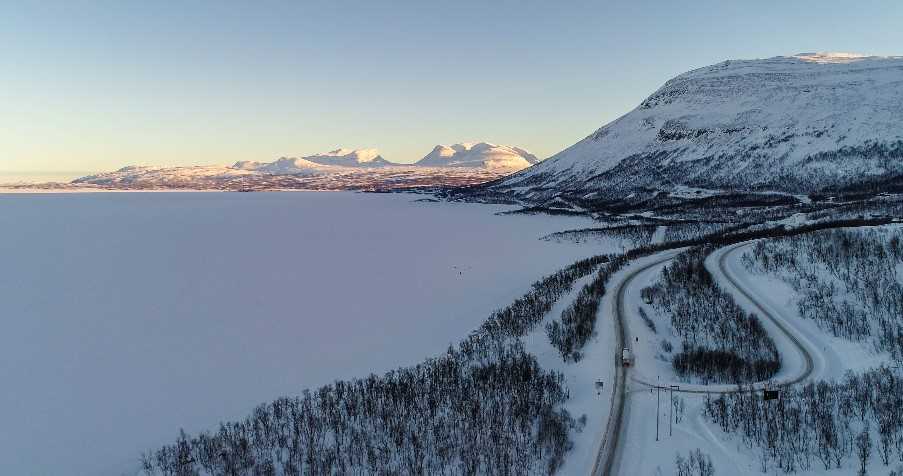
608, 457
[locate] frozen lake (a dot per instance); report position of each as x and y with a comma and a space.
127, 316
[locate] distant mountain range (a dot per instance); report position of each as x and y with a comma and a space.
340, 169
814, 122
337, 158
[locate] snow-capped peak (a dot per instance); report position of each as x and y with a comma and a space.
318, 162
358, 155
831, 57
479, 154
349, 158
283, 166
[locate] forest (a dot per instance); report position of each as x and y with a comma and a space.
719, 341
627, 236
696, 463
847, 281
451, 415
578, 321
821, 425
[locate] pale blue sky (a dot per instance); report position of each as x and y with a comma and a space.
97, 85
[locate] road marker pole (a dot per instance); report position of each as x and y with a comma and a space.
658, 399
671, 420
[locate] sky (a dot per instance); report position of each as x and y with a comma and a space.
94, 86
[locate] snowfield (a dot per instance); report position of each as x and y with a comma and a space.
129, 316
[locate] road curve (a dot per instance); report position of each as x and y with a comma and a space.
608, 455
794, 338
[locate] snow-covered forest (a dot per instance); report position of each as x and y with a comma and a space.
848, 281
483, 408
820, 426
719, 341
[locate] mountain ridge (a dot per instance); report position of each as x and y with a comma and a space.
799, 124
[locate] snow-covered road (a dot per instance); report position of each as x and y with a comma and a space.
606, 458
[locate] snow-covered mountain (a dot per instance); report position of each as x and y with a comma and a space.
136, 176
350, 158
479, 154
287, 173
284, 166
340, 169
806, 123
318, 162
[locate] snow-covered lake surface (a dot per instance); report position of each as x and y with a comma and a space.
129, 316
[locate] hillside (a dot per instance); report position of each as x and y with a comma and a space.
801, 124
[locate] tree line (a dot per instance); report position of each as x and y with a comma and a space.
577, 323
696, 463
624, 236
449, 415
821, 425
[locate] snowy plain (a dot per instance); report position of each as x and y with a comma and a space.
129, 316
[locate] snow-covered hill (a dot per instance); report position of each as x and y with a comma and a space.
479, 154
810, 122
317, 162
334, 158
284, 166
178, 177
350, 158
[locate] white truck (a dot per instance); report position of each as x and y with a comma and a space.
626, 357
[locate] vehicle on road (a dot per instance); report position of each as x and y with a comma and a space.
626, 357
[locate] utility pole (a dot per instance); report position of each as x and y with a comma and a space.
671, 422
657, 403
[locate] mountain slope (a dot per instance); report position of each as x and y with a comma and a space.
479, 154
807, 123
